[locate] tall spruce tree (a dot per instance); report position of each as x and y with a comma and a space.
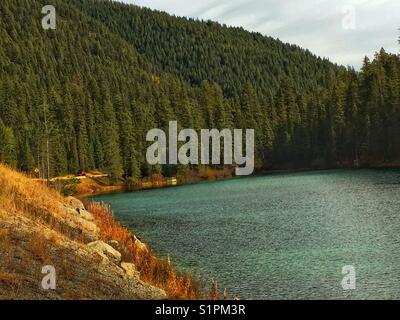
8, 152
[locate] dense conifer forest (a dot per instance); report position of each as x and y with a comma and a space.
83, 96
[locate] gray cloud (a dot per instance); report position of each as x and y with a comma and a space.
313, 24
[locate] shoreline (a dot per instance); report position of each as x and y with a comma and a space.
47, 228
346, 172
125, 189
122, 189
86, 247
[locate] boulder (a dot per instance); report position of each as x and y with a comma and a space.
115, 244
75, 203
86, 215
90, 230
130, 270
76, 225
74, 206
106, 250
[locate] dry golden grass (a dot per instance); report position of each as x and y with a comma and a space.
27, 197
4, 235
8, 277
38, 245
153, 270
19, 193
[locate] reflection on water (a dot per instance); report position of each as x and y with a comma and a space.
279, 236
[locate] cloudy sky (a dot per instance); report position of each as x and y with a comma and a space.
342, 30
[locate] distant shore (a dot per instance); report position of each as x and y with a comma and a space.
90, 185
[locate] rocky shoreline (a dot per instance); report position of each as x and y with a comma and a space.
59, 233
89, 270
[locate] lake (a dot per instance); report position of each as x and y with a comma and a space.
279, 236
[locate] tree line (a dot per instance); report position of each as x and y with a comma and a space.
85, 95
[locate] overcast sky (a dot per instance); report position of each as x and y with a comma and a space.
342, 30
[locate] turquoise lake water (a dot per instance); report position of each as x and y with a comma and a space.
280, 236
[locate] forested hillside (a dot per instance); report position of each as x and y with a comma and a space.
197, 51
86, 93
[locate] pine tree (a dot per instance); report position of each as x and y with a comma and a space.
8, 153
112, 152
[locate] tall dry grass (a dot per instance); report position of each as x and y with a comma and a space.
153, 270
22, 195
19, 193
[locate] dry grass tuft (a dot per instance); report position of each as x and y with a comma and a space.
4, 235
8, 277
38, 245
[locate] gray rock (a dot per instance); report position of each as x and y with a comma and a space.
75, 203
130, 270
115, 244
106, 251
86, 215
72, 209
76, 225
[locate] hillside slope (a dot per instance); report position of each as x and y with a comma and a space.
200, 50
93, 257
